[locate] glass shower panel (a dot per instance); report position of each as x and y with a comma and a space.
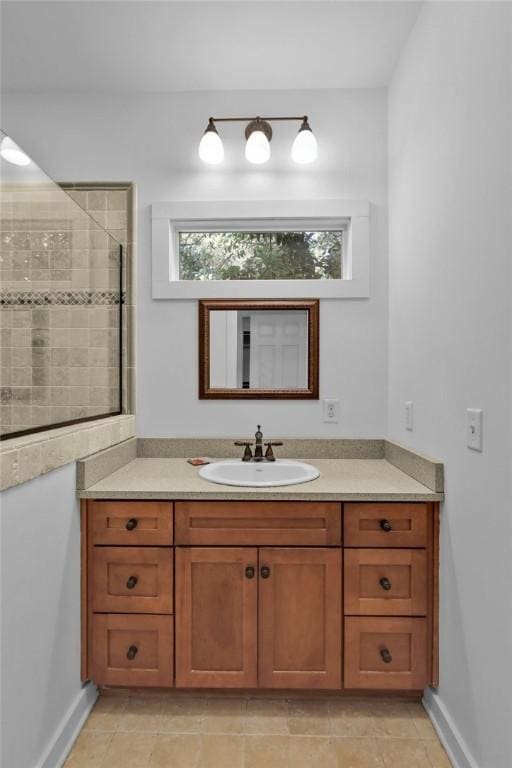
61, 281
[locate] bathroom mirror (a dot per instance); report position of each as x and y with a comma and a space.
258, 349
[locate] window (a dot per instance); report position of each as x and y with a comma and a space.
267, 255
260, 249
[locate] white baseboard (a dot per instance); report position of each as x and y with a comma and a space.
69, 728
450, 737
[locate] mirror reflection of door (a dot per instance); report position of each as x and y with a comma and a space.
259, 349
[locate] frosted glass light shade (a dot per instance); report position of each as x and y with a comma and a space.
10, 151
305, 147
257, 148
211, 149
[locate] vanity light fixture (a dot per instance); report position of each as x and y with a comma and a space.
10, 151
211, 149
258, 134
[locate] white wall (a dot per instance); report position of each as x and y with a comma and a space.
450, 183
152, 139
42, 697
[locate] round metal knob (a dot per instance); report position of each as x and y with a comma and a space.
132, 652
131, 524
250, 572
386, 656
386, 525
385, 583
264, 571
132, 582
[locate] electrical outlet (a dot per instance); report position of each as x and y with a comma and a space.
474, 428
331, 410
409, 415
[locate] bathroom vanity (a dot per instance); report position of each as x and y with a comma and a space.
192, 585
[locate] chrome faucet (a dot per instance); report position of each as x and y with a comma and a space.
258, 448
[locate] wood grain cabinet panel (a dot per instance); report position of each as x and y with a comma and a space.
386, 653
385, 524
220, 523
132, 580
132, 523
132, 650
385, 582
216, 615
300, 618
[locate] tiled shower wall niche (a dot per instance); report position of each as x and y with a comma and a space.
60, 305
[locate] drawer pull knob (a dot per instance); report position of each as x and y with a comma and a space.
386, 525
132, 582
131, 524
265, 571
250, 572
386, 656
385, 583
132, 652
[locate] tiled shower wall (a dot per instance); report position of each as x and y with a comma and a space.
59, 305
112, 205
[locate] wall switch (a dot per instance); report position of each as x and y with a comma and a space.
474, 428
331, 410
409, 415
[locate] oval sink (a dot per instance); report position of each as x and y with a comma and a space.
259, 474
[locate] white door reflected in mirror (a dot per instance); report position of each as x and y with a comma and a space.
259, 349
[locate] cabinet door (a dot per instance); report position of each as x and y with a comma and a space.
216, 615
300, 618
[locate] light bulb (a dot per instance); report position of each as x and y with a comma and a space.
257, 148
10, 151
211, 149
305, 146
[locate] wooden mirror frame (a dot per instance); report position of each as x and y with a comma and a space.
206, 392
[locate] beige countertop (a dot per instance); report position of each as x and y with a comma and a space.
340, 480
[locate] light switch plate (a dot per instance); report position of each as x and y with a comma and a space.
409, 415
474, 428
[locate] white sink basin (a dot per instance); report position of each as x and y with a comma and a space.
258, 474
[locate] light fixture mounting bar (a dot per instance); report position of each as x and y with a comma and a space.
256, 117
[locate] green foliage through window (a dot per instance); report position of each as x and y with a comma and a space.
260, 255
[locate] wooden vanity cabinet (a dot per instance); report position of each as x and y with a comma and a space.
127, 577
390, 595
268, 617
216, 627
299, 618
274, 595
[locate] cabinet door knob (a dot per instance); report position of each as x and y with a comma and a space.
131, 524
265, 571
386, 525
131, 652
250, 572
385, 583
386, 656
132, 582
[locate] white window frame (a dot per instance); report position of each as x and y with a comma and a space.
351, 216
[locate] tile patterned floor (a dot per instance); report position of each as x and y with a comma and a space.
166, 731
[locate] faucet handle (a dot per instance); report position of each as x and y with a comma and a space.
269, 453
247, 452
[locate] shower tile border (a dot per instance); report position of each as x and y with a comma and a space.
28, 299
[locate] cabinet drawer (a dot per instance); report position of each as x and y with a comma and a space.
385, 525
385, 653
132, 579
132, 650
141, 523
386, 582
258, 523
